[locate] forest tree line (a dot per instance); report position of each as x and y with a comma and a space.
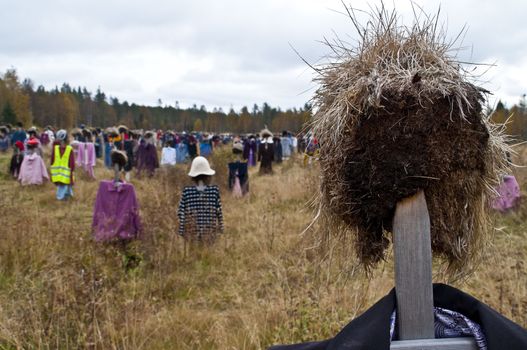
514, 119
67, 107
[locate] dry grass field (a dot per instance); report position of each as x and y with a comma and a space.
262, 283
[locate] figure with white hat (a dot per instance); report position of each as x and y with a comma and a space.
200, 211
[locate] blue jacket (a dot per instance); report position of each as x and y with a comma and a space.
19, 135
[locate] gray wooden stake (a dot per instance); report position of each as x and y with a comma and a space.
413, 280
116, 173
413, 269
435, 344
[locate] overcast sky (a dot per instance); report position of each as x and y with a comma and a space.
229, 52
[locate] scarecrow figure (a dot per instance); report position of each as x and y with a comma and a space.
16, 159
397, 115
200, 211
266, 152
5, 142
278, 152
147, 159
238, 173
62, 166
168, 154
33, 170
250, 150
287, 145
399, 126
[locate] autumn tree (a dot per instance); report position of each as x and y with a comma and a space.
14, 94
67, 106
67, 110
198, 125
21, 105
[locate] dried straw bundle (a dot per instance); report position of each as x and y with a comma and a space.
397, 114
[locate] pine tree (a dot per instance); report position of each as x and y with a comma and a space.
8, 114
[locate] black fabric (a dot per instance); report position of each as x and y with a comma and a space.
278, 154
15, 164
266, 157
192, 150
129, 149
247, 147
371, 330
239, 169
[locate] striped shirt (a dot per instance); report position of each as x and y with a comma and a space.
200, 211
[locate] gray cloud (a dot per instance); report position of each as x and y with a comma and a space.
220, 53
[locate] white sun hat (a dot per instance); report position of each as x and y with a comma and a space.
238, 146
200, 166
62, 134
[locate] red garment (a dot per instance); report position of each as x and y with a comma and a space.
20, 145
33, 141
62, 149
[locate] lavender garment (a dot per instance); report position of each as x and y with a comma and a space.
89, 159
75, 145
33, 170
85, 156
116, 212
80, 155
252, 158
249, 151
509, 195
147, 158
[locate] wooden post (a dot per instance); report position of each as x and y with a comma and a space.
435, 344
116, 173
413, 269
413, 280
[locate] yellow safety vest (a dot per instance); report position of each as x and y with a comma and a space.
60, 170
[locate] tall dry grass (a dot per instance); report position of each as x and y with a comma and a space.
262, 283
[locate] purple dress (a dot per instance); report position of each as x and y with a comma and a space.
147, 158
509, 195
249, 152
116, 212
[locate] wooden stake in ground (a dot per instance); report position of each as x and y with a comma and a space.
413, 280
116, 173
